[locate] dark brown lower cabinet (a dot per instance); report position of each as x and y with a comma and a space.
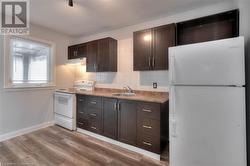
110, 118
141, 124
127, 120
89, 113
152, 126
82, 121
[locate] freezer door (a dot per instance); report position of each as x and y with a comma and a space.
218, 62
207, 126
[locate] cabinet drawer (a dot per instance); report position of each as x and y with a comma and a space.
93, 101
80, 103
95, 126
81, 114
82, 123
149, 126
149, 110
148, 142
94, 113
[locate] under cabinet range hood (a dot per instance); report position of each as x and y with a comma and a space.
81, 61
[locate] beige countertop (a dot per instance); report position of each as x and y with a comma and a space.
156, 97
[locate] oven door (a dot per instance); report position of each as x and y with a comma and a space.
64, 104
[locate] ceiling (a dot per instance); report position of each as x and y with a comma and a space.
95, 16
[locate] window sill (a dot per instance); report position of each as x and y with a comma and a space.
28, 88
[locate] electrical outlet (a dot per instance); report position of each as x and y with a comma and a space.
155, 85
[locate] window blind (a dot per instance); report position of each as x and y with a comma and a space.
31, 62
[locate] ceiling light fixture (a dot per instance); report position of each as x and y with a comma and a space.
71, 3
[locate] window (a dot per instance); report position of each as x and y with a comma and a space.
31, 62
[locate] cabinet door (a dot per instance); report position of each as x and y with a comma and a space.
127, 122
110, 118
107, 55
215, 27
81, 50
72, 52
164, 37
82, 121
142, 50
92, 56
103, 54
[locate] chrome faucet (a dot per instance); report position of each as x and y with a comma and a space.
129, 90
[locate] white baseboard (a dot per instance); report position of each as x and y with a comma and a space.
13, 134
123, 145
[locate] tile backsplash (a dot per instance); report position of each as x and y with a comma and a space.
125, 74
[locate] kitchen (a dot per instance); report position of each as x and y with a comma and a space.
24, 110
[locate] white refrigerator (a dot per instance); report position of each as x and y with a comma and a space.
207, 104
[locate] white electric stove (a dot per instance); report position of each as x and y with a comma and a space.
65, 103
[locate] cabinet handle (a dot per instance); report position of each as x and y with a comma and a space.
94, 115
149, 62
147, 127
147, 143
93, 128
153, 62
80, 112
93, 102
80, 100
80, 123
146, 110
115, 106
118, 106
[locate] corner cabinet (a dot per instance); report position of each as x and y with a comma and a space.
102, 55
137, 123
77, 51
151, 47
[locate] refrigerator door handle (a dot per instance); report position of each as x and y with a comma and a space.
173, 121
172, 98
172, 61
174, 128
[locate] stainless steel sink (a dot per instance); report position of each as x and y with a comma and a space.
124, 94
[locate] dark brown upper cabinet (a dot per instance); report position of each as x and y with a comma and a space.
214, 27
142, 50
107, 55
77, 51
91, 61
164, 37
151, 47
102, 55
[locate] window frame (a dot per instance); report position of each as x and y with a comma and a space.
8, 63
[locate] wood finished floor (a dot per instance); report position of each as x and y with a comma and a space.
55, 146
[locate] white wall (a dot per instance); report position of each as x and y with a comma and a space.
65, 74
1, 82
125, 74
23, 108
